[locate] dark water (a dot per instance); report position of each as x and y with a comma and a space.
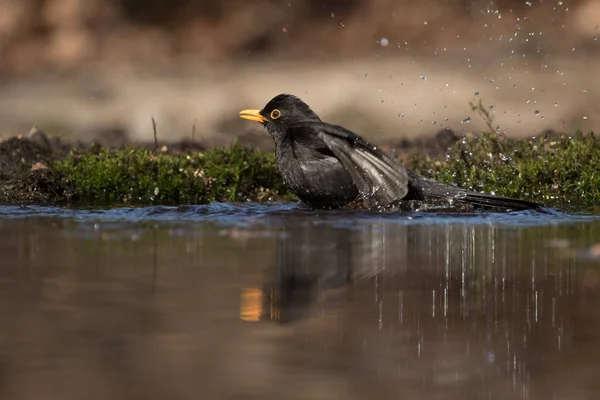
274, 302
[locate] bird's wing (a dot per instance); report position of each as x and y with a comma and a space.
379, 179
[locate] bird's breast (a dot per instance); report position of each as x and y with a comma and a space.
318, 181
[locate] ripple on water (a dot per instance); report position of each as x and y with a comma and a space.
273, 214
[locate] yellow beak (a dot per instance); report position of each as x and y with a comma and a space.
252, 115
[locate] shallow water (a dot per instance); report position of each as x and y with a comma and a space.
272, 301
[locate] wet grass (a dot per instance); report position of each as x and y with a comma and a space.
142, 176
558, 170
552, 170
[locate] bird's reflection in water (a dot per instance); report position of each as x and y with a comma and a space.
451, 309
456, 304
309, 263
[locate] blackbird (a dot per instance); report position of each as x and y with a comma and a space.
329, 166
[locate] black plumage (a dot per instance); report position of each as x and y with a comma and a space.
328, 166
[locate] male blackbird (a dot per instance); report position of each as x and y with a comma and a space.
328, 166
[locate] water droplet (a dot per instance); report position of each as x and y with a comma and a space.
537, 112
384, 42
466, 120
423, 77
400, 115
476, 93
433, 123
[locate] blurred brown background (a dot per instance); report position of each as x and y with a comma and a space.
84, 68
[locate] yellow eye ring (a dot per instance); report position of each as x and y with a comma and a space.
275, 114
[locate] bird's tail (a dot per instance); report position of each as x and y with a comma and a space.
421, 188
492, 203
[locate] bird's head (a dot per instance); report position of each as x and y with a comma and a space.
280, 113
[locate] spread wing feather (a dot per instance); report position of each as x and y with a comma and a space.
379, 179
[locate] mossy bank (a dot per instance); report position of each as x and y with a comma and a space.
554, 170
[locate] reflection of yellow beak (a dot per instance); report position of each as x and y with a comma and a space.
252, 115
251, 306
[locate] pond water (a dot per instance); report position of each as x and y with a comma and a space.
231, 301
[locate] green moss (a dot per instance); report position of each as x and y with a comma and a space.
135, 175
552, 171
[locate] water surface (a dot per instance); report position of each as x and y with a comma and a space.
250, 301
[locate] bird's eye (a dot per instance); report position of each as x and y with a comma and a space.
275, 114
